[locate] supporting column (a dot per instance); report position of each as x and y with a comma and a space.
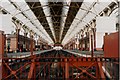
1, 44
47, 46
31, 42
89, 42
25, 44
94, 36
34, 74
18, 27
17, 39
91, 46
68, 47
97, 71
101, 72
3, 71
77, 42
79, 45
73, 44
31, 71
81, 42
66, 70
1, 53
93, 32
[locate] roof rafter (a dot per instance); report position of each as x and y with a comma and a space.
36, 12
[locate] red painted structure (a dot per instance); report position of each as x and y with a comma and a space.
2, 48
83, 68
111, 45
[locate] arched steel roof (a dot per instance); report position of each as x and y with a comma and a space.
56, 21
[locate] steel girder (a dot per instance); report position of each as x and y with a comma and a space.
81, 67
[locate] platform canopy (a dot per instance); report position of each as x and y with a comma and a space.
56, 21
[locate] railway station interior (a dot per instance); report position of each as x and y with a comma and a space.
59, 40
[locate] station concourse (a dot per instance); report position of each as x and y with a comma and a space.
59, 39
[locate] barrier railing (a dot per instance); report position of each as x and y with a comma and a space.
46, 68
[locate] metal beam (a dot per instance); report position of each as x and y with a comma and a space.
35, 11
71, 15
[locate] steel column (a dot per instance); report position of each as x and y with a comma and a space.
94, 34
97, 72
34, 74
102, 76
30, 74
17, 39
3, 71
66, 70
32, 71
81, 42
1, 53
92, 46
31, 42
2, 44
